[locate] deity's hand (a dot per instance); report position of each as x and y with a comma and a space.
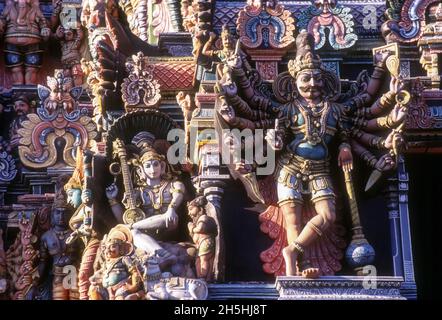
381, 56
274, 139
85, 230
96, 279
227, 112
243, 168
231, 142
45, 33
398, 114
59, 33
86, 196
171, 217
385, 163
190, 227
227, 87
112, 191
396, 84
234, 61
345, 159
212, 36
394, 141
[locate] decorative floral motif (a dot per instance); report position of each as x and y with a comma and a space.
7, 167
140, 83
327, 14
265, 26
58, 117
419, 115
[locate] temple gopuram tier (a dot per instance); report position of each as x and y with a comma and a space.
214, 149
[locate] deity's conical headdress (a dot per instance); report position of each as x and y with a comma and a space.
144, 141
306, 58
60, 201
76, 181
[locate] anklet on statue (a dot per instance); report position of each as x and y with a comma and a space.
298, 247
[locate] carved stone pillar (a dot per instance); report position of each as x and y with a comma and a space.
213, 190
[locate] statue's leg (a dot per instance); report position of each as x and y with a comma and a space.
290, 202
323, 199
14, 61
154, 223
17, 75
205, 267
87, 268
59, 292
145, 242
33, 61
150, 245
292, 212
74, 294
31, 75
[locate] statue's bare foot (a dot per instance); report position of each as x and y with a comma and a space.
311, 273
308, 271
290, 255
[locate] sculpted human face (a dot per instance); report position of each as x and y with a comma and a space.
153, 168
74, 197
310, 84
193, 211
112, 250
59, 217
21, 107
228, 42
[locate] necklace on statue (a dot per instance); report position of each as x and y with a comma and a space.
316, 121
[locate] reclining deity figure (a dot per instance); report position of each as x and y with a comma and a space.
159, 195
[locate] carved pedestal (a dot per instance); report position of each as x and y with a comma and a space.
339, 288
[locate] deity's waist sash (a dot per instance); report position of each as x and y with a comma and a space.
302, 168
23, 35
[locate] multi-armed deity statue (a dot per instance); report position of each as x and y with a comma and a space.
306, 120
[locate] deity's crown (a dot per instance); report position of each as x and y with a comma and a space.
306, 58
200, 202
75, 182
226, 32
60, 202
152, 154
119, 234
